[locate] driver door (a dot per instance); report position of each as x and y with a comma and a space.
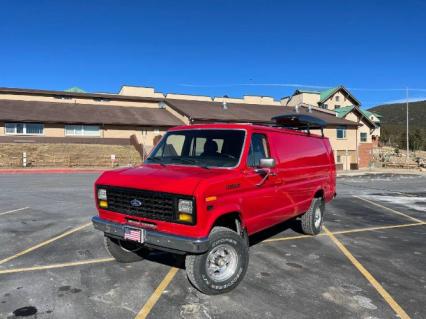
260, 203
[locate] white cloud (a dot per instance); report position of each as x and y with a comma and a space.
411, 99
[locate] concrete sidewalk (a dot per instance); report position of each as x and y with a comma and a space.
370, 171
66, 170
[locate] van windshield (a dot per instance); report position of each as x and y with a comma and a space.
205, 148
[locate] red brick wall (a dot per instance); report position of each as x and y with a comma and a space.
365, 151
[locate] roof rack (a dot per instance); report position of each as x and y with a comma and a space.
300, 122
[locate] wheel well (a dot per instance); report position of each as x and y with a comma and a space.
319, 194
229, 220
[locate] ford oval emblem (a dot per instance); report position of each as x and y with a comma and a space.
135, 203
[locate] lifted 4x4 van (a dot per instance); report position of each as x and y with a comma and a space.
204, 189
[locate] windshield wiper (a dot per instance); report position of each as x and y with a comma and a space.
190, 161
158, 160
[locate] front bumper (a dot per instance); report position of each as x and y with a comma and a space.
155, 239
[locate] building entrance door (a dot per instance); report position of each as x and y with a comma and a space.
346, 161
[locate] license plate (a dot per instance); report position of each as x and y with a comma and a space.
134, 234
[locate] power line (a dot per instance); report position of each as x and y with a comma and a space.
296, 85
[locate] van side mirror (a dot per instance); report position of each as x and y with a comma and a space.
267, 163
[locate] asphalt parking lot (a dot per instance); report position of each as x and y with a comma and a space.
368, 263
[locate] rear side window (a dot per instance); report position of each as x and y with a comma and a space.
258, 149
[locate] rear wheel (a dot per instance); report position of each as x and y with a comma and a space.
223, 266
125, 251
313, 219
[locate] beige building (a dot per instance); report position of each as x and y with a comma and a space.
352, 148
79, 117
74, 116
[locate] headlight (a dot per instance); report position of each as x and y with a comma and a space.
185, 206
102, 194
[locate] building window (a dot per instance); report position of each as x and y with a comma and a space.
63, 97
363, 137
24, 128
82, 130
324, 106
337, 106
337, 98
101, 99
341, 132
338, 158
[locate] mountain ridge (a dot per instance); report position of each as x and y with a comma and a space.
393, 123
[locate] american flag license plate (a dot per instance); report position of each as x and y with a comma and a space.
134, 234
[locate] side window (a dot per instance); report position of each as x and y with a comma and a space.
258, 149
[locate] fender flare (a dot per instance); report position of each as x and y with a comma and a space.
223, 211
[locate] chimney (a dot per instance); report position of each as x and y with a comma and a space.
224, 105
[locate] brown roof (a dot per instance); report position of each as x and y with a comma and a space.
106, 96
52, 112
204, 111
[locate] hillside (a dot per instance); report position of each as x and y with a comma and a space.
394, 123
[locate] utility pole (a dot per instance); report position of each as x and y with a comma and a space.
408, 145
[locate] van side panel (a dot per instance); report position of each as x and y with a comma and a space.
303, 165
330, 188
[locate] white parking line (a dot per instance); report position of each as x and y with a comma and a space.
13, 211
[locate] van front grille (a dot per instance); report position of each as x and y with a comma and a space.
153, 205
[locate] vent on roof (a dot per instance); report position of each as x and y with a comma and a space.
162, 105
296, 108
224, 105
310, 108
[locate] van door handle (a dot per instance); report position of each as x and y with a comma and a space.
267, 173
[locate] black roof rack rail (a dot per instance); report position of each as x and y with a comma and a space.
300, 122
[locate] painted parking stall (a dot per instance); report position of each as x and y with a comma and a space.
67, 272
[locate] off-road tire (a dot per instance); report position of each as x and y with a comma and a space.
125, 251
196, 265
309, 227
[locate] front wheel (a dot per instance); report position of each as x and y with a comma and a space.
223, 266
313, 219
125, 251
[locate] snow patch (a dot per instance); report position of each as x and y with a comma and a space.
414, 202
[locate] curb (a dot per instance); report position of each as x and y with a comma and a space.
50, 171
361, 173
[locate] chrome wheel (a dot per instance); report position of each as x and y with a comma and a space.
222, 262
317, 217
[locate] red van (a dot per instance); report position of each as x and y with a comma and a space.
204, 189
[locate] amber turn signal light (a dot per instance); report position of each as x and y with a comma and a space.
186, 218
211, 198
103, 204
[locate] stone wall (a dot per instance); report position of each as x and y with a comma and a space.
67, 155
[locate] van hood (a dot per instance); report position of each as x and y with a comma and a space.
170, 178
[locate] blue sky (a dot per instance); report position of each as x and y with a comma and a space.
216, 47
